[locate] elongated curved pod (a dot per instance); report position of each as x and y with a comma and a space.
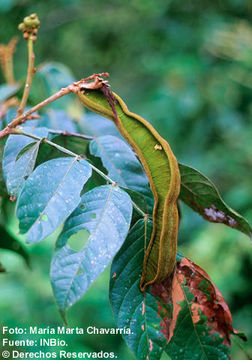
162, 170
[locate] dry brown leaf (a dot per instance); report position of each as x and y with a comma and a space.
207, 302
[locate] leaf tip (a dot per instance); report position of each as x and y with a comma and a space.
63, 316
240, 334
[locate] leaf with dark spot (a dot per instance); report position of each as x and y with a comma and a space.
200, 194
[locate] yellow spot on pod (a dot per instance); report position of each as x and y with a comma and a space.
158, 147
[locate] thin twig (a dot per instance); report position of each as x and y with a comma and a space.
45, 141
20, 119
67, 133
29, 77
75, 87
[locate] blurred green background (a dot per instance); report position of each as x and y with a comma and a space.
186, 66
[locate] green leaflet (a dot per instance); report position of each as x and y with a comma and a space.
162, 170
105, 213
44, 204
59, 120
94, 125
132, 309
122, 165
198, 192
17, 168
53, 76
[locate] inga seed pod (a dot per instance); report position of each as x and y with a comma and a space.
162, 170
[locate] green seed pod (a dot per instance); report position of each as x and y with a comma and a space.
163, 173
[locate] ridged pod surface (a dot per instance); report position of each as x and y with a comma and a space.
162, 170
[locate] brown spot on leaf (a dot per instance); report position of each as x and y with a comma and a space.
177, 298
195, 308
114, 275
162, 293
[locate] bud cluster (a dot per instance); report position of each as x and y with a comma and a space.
30, 26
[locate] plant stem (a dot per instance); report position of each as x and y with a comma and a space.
146, 216
20, 119
71, 153
97, 83
66, 133
45, 141
29, 77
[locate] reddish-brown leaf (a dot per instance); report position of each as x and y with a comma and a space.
190, 287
